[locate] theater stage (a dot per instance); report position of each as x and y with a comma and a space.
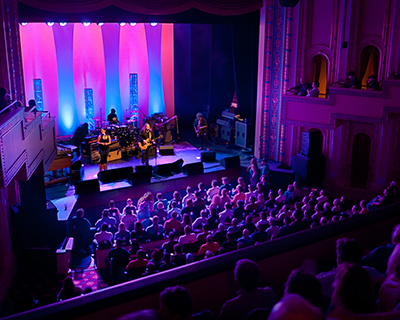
185, 150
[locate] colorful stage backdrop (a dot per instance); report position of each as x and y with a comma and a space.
68, 59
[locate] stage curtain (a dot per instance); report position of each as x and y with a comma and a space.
151, 7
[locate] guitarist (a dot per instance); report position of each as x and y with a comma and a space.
201, 127
146, 137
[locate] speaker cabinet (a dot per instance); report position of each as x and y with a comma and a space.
87, 186
176, 167
191, 169
208, 156
114, 174
163, 170
148, 169
231, 162
166, 150
77, 163
311, 144
309, 171
139, 177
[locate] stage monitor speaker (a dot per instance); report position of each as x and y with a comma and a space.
163, 170
148, 169
114, 174
231, 162
176, 167
208, 156
311, 144
289, 3
77, 163
191, 169
87, 186
309, 171
139, 177
166, 150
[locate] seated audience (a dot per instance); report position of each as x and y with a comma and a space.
150, 269
250, 295
286, 229
322, 197
161, 213
122, 234
280, 199
227, 214
260, 235
294, 307
80, 230
189, 209
213, 220
178, 258
173, 225
188, 237
156, 258
238, 212
129, 218
249, 225
229, 244
189, 196
225, 198
137, 266
210, 245
314, 92
270, 203
104, 238
336, 206
155, 231
199, 203
354, 82
202, 190
239, 195
378, 258
186, 220
389, 294
169, 245
139, 233
225, 185
160, 199
235, 228
202, 220
301, 88
68, 290
202, 236
363, 206
347, 251
145, 206
214, 190
114, 212
167, 264
135, 247
250, 193
111, 222
246, 240
118, 258
174, 208
373, 83
273, 229
176, 196
220, 234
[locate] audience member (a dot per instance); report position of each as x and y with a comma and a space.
294, 307
110, 222
114, 212
202, 220
169, 245
250, 296
80, 230
173, 225
68, 290
137, 266
260, 235
273, 230
301, 88
128, 218
178, 258
161, 213
189, 196
138, 232
314, 91
214, 190
118, 258
229, 244
156, 258
225, 185
239, 195
354, 82
145, 206
188, 237
220, 234
213, 219
210, 245
156, 230
160, 199
389, 294
246, 240
122, 234
227, 214
250, 193
104, 238
176, 196
225, 198
372, 83
167, 262
254, 171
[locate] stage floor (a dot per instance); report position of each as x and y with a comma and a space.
185, 150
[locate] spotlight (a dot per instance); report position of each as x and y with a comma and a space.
153, 24
24, 24
86, 24
100, 23
122, 24
50, 23
132, 24
63, 24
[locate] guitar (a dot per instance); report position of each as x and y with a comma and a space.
161, 124
198, 130
148, 142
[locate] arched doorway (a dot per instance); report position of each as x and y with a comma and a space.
369, 64
320, 73
360, 161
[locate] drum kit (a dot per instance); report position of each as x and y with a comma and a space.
126, 134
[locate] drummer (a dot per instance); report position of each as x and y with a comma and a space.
112, 117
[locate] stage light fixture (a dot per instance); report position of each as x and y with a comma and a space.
86, 24
63, 24
24, 24
132, 24
50, 23
122, 24
153, 24
100, 23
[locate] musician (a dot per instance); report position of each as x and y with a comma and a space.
146, 136
201, 127
112, 117
104, 141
